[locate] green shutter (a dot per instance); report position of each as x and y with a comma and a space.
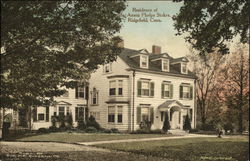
162, 90
76, 90
152, 115
139, 88
171, 90
47, 113
191, 92
138, 115
76, 113
181, 91
152, 86
35, 114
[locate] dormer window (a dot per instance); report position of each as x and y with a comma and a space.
165, 65
144, 61
184, 68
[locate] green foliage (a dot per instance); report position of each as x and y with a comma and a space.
91, 129
81, 123
187, 123
91, 122
69, 120
48, 44
211, 24
166, 124
145, 125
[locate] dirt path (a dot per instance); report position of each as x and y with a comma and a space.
145, 139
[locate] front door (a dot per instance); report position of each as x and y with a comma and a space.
175, 120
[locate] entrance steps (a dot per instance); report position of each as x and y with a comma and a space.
178, 132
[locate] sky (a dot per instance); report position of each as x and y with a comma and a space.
145, 34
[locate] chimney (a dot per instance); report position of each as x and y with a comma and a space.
156, 49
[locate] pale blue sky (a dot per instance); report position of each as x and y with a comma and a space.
144, 35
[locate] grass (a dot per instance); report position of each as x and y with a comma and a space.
189, 149
85, 137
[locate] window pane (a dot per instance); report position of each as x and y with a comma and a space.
145, 85
40, 116
119, 118
61, 111
112, 91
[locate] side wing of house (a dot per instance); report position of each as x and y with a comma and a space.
110, 96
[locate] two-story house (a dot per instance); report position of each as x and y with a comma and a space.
141, 86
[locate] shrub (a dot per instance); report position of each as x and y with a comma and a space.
81, 124
193, 130
187, 123
141, 131
91, 129
42, 130
62, 120
53, 129
145, 125
228, 127
114, 130
107, 130
69, 120
54, 120
157, 131
208, 127
166, 124
92, 123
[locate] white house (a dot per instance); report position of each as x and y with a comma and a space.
73, 103
141, 86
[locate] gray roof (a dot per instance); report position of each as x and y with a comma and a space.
127, 53
169, 102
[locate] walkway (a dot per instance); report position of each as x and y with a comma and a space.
146, 139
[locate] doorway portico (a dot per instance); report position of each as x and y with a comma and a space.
173, 109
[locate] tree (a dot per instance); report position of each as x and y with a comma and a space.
207, 68
166, 124
236, 86
49, 44
187, 123
212, 24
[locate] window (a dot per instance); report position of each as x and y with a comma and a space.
165, 65
112, 87
145, 88
144, 61
94, 94
145, 114
107, 68
67, 110
79, 112
120, 83
184, 68
186, 92
119, 114
167, 90
41, 117
61, 110
111, 114
80, 92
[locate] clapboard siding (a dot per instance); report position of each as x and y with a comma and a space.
157, 99
70, 99
100, 81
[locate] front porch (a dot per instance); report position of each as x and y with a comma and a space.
175, 112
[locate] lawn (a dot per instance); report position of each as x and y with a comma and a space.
86, 137
189, 149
